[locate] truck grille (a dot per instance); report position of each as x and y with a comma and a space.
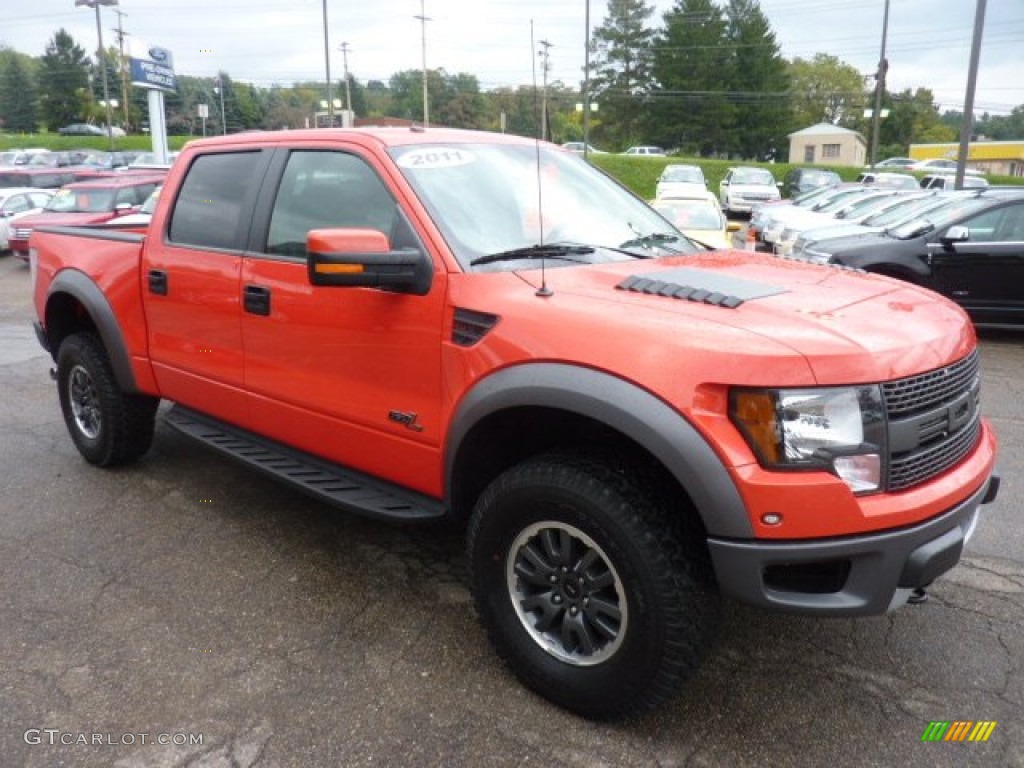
21, 233
934, 421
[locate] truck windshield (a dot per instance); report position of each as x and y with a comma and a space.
485, 200
81, 201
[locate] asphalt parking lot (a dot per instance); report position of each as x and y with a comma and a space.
185, 612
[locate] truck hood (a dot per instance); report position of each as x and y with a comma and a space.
46, 219
849, 327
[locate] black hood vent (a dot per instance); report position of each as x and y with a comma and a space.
699, 286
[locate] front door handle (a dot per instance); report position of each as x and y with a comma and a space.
158, 282
256, 299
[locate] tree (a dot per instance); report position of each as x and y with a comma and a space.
112, 64
825, 90
622, 71
759, 77
691, 67
18, 96
63, 81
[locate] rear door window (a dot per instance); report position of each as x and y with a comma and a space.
214, 206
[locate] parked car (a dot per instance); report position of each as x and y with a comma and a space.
887, 179
577, 147
799, 180
81, 129
17, 202
650, 151
940, 165
678, 180
971, 251
86, 202
895, 162
742, 188
699, 217
772, 227
948, 181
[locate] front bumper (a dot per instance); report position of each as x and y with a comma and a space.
848, 576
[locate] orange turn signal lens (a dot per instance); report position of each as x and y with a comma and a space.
338, 269
755, 414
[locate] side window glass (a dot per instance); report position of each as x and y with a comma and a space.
17, 204
210, 206
984, 227
323, 190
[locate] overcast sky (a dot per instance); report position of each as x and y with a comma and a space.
280, 41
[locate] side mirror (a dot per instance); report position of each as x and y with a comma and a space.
955, 234
363, 258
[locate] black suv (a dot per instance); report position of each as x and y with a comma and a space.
971, 251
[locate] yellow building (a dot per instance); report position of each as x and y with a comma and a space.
1005, 158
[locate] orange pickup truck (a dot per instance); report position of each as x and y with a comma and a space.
432, 324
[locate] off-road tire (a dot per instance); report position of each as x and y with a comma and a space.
109, 427
625, 527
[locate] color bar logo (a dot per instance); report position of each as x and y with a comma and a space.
958, 730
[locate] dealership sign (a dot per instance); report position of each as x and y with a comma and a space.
156, 71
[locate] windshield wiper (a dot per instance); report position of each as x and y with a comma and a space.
653, 240
547, 251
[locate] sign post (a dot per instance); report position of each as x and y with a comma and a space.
156, 74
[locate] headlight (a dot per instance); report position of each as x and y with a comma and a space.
840, 430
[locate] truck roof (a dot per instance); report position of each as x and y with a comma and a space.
385, 135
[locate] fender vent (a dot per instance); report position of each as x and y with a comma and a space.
470, 326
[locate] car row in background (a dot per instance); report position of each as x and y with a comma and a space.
969, 249
43, 169
16, 203
86, 202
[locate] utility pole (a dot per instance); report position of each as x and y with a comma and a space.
423, 33
348, 91
883, 68
545, 67
972, 77
121, 35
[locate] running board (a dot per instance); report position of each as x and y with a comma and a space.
344, 488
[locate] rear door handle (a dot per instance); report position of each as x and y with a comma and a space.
256, 299
158, 282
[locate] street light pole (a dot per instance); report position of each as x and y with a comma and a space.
327, 66
102, 62
348, 91
586, 85
423, 44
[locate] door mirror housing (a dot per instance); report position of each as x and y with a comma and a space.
363, 258
955, 234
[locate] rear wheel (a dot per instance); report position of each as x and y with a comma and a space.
586, 586
108, 427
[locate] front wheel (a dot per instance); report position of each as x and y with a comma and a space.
108, 427
587, 587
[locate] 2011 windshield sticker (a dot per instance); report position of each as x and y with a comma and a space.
435, 157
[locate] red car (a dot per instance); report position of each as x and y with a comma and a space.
86, 202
